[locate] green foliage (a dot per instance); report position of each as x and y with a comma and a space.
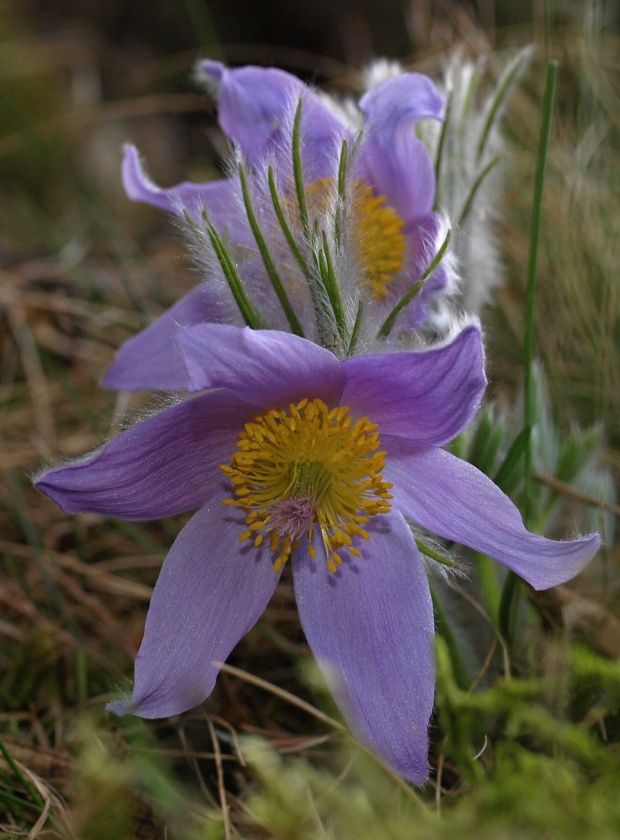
116, 790
494, 446
538, 776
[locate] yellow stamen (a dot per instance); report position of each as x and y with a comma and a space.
305, 468
379, 239
377, 230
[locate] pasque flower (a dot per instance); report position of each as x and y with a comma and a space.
356, 194
290, 455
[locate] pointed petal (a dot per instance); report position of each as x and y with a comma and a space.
255, 107
426, 396
211, 591
217, 197
165, 465
267, 367
252, 104
402, 100
455, 500
391, 157
151, 360
401, 171
370, 627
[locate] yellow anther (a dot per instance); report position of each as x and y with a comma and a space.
380, 242
309, 466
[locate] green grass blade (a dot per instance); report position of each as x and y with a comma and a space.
513, 456
22, 779
200, 19
539, 183
509, 601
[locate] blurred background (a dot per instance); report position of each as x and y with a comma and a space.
82, 268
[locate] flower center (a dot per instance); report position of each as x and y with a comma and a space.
379, 239
377, 230
306, 469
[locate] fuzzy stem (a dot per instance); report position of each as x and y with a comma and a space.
269, 264
412, 292
475, 187
428, 551
330, 283
286, 230
298, 172
249, 314
356, 329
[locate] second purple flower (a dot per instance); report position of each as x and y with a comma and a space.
343, 201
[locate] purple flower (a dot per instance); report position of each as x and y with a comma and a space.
375, 213
288, 453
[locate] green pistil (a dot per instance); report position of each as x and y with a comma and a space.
310, 480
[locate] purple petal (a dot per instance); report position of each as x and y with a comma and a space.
165, 465
455, 500
252, 104
151, 360
370, 627
211, 591
426, 396
399, 168
256, 105
267, 367
217, 197
425, 237
403, 99
391, 158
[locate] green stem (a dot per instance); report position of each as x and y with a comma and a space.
298, 173
330, 283
476, 186
342, 178
412, 292
356, 329
269, 264
442, 140
509, 77
286, 230
426, 549
249, 314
